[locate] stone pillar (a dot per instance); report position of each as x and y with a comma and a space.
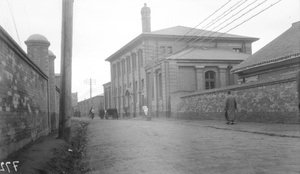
37, 51
52, 93
223, 76
200, 78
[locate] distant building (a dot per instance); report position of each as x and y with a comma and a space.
96, 103
151, 70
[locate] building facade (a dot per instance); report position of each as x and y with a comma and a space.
155, 68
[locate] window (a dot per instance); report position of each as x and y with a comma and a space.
239, 50
160, 85
128, 64
123, 67
142, 84
210, 80
162, 50
118, 69
169, 50
140, 57
133, 61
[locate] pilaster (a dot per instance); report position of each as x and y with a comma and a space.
200, 77
223, 76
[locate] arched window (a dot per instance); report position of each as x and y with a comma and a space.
210, 80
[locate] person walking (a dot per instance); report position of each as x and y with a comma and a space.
92, 113
230, 107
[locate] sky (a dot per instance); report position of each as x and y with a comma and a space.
100, 28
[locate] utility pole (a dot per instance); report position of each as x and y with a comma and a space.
65, 103
91, 83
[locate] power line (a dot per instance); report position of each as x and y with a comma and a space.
198, 32
202, 21
231, 22
243, 21
218, 18
26, 16
14, 22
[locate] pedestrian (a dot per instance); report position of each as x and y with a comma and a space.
92, 113
298, 88
230, 107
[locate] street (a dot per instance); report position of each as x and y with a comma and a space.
139, 146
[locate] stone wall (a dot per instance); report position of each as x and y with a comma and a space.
24, 106
264, 101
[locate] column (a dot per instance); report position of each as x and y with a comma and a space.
200, 78
223, 76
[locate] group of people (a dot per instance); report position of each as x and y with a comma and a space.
231, 105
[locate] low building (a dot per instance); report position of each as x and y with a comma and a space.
96, 102
279, 59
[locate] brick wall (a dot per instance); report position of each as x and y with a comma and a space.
23, 98
264, 101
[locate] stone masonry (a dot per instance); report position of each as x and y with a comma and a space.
267, 101
24, 92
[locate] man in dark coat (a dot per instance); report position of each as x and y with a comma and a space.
230, 107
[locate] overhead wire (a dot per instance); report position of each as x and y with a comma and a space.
195, 39
26, 16
213, 21
14, 22
217, 19
202, 21
7, 25
214, 32
243, 22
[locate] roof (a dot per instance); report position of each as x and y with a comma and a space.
178, 31
208, 54
285, 46
187, 31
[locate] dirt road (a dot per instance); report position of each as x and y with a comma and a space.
139, 146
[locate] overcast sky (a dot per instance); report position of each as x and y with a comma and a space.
101, 27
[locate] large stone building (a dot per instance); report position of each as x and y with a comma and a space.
157, 67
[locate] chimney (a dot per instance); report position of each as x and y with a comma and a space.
146, 22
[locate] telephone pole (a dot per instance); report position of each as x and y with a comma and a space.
91, 83
65, 103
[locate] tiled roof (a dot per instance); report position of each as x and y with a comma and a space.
179, 31
208, 54
187, 31
285, 46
